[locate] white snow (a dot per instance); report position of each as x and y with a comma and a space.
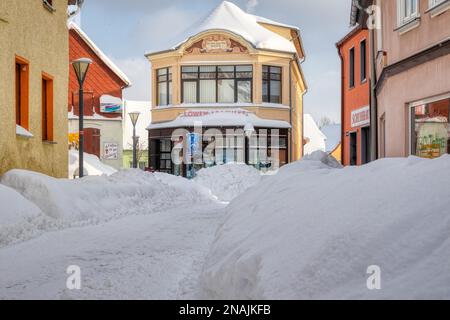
316, 139
311, 232
219, 118
228, 181
21, 131
92, 165
227, 16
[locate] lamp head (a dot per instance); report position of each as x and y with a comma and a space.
81, 67
134, 116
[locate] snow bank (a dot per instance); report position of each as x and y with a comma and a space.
311, 231
91, 200
92, 165
228, 181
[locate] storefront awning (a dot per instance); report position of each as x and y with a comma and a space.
220, 118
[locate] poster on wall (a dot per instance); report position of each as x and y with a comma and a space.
110, 151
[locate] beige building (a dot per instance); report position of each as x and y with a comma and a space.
231, 71
34, 69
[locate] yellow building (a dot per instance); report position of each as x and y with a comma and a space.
34, 73
233, 71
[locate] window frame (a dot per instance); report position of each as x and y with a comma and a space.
198, 79
403, 18
269, 85
169, 86
47, 107
22, 96
435, 3
351, 67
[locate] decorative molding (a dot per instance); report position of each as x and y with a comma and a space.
408, 26
216, 44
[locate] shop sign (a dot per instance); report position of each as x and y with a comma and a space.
110, 151
203, 113
110, 104
217, 45
360, 117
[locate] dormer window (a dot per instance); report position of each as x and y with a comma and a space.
217, 84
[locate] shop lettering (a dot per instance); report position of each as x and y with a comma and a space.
361, 117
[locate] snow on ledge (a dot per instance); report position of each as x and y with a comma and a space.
21, 131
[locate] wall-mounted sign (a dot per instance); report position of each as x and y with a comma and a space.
110, 151
360, 117
110, 104
203, 113
216, 44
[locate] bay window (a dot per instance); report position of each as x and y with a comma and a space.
164, 79
272, 84
217, 84
407, 10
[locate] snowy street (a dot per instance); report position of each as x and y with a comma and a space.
156, 256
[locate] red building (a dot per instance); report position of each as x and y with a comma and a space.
102, 99
355, 95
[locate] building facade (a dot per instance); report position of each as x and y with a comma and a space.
413, 86
228, 79
103, 119
353, 50
34, 83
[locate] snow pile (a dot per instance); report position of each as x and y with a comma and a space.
228, 181
316, 138
312, 231
92, 165
67, 203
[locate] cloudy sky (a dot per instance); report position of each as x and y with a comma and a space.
125, 30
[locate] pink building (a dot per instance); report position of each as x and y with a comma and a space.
412, 57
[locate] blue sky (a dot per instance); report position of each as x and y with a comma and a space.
125, 30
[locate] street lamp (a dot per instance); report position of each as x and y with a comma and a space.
134, 116
81, 67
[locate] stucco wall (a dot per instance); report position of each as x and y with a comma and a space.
30, 31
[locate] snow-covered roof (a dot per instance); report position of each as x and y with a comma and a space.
219, 118
114, 68
313, 134
229, 17
275, 23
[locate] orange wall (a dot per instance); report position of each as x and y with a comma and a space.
356, 97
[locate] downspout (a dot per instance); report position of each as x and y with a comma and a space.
342, 105
290, 110
373, 100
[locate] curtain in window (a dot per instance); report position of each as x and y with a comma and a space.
226, 91
162, 90
189, 92
207, 91
244, 91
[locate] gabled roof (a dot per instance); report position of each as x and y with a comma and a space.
229, 17
111, 65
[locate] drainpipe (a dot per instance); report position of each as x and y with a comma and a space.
290, 110
373, 100
342, 106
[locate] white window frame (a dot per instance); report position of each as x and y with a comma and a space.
404, 17
435, 3
437, 7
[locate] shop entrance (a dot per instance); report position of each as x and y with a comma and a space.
353, 149
365, 145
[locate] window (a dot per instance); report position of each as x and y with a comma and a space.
165, 161
164, 77
407, 10
435, 3
430, 125
47, 108
352, 67
22, 84
217, 84
363, 58
272, 84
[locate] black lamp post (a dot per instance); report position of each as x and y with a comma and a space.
81, 67
134, 116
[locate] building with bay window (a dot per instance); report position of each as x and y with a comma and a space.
235, 74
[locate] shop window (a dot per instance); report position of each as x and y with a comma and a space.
165, 151
22, 92
363, 61
407, 11
217, 84
430, 127
47, 108
353, 148
272, 84
352, 67
164, 80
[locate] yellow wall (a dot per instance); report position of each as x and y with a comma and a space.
292, 79
29, 30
